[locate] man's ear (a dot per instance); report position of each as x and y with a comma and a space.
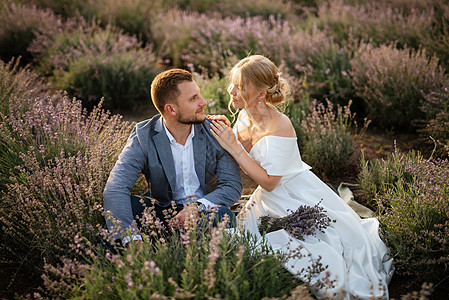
170, 109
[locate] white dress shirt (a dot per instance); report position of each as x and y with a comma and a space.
187, 187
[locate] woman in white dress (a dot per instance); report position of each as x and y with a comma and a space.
264, 144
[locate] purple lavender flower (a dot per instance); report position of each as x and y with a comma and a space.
306, 220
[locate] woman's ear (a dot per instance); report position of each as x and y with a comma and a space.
170, 109
262, 94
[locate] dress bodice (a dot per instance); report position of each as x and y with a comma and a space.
279, 156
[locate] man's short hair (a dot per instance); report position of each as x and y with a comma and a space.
164, 88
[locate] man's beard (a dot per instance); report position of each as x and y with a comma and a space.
190, 120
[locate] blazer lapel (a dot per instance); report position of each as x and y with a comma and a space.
199, 153
165, 155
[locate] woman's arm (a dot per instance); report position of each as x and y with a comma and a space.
225, 136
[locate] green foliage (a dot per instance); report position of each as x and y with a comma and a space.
326, 139
201, 6
55, 162
437, 42
234, 8
19, 25
193, 263
214, 91
393, 83
328, 76
135, 17
264, 8
374, 22
66, 8
122, 79
170, 37
180, 35
413, 208
16, 82
321, 63
91, 62
436, 108
297, 111
75, 40
377, 176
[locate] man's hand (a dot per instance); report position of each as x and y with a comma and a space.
134, 244
138, 243
222, 118
189, 211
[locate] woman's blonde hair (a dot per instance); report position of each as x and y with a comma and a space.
264, 75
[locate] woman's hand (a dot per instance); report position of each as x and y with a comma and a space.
220, 118
224, 135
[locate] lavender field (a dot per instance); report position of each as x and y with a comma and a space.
75, 75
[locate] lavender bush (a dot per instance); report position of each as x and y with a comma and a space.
412, 198
412, 6
56, 156
55, 161
321, 63
232, 8
193, 40
91, 62
326, 138
66, 8
75, 40
263, 8
436, 108
122, 79
134, 17
377, 22
17, 82
415, 216
328, 76
376, 176
19, 25
206, 46
190, 264
392, 90
438, 41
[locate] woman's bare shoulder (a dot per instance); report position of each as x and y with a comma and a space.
282, 126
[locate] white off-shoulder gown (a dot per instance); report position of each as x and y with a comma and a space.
355, 256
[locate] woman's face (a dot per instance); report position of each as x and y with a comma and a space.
242, 94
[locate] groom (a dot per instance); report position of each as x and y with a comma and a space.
179, 157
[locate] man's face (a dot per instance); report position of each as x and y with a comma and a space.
190, 106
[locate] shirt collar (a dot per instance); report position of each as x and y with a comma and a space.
172, 139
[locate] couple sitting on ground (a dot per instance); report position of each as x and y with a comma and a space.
194, 162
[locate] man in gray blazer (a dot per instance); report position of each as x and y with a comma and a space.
179, 157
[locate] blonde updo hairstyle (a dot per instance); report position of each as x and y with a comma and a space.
264, 75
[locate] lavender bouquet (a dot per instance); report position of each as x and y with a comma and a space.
306, 220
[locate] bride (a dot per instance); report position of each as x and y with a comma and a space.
264, 143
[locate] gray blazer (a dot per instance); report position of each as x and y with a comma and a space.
148, 151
